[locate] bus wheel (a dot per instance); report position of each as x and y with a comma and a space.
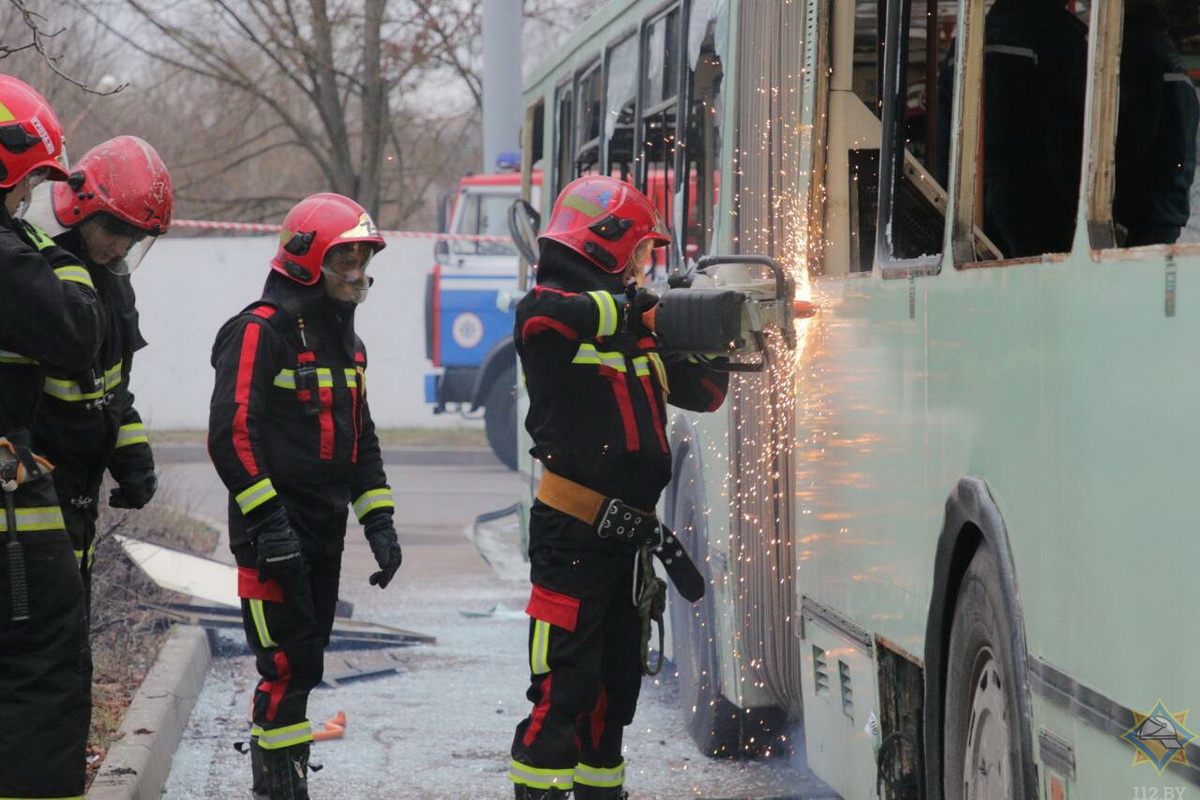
500, 417
981, 743
713, 722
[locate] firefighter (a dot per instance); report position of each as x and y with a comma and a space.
49, 318
291, 436
116, 202
598, 390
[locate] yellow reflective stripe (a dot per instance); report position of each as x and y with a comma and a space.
370, 500
603, 777
5, 116
606, 304
287, 736
351, 377
324, 378
69, 391
588, 354
9, 357
132, 433
112, 375
37, 518
42, 240
641, 366
75, 274
660, 368
539, 648
253, 497
538, 778
259, 615
286, 379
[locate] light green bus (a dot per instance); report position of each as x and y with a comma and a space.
947, 530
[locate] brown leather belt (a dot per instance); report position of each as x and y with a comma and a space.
569, 497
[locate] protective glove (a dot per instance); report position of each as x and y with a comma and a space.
135, 491
385, 546
640, 312
279, 556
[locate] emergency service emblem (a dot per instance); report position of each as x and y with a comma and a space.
1159, 737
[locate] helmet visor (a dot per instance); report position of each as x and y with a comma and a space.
132, 259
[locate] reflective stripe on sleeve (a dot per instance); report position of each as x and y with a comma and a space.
287, 736
9, 357
253, 497
75, 274
37, 518
609, 316
537, 778
132, 433
601, 777
41, 239
372, 499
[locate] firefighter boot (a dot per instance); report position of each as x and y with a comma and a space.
287, 772
584, 792
258, 771
524, 792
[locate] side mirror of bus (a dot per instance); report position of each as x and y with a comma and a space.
524, 222
441, 252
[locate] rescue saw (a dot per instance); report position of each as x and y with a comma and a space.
726, 306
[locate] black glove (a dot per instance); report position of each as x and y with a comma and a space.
135, 491
637, 320
385, 546
279, 556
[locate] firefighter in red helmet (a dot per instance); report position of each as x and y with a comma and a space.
291, 436
50, 319
113, 206
598, 390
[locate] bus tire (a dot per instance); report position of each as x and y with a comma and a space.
500, 417
983, 726
713, 722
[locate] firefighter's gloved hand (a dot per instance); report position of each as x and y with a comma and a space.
640, 312
385, 546
279, 556
135, 491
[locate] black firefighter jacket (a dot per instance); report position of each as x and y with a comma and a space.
289, 421
49, 317
87, 422
598, 395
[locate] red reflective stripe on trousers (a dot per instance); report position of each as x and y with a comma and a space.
326, 420
597, 717
652, 399
621, 392
278, 687
241, 396
538, 716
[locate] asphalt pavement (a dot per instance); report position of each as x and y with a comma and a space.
431, 721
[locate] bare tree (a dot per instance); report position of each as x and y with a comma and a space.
323, 79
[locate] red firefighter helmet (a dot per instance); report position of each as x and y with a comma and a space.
604, 219
30, 135
123, 177
315, 224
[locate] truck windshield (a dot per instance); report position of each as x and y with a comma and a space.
483, 215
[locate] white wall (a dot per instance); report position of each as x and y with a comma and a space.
188, 287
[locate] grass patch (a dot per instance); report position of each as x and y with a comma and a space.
462, 436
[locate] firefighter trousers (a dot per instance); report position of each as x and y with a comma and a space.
584, 657
45, 661
287, 628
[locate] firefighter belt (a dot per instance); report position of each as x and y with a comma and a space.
613, 519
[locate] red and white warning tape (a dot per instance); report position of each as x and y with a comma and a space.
259, 227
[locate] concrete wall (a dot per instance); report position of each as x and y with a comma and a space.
187, 287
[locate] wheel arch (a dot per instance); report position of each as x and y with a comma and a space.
502, 356
972, 519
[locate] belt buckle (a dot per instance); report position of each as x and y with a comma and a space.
619, 521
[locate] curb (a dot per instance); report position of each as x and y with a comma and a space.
137, 765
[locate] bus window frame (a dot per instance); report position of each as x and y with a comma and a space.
533, 143
1103, 78
893, 97
630, 34
564, 150
594, 67
647, 110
